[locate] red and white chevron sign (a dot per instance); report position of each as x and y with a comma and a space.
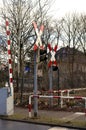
9, 54
52, 51
38, 43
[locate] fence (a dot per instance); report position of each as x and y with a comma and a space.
61, 97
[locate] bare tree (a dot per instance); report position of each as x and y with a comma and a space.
82, 33
21, 14
70, 27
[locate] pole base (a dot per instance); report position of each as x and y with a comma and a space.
35, 114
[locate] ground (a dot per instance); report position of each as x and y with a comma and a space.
49, 113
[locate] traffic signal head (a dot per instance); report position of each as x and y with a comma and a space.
43, 51
43, 55
55, 68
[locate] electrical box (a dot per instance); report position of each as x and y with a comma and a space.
6, 101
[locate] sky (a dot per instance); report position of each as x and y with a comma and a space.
62, 7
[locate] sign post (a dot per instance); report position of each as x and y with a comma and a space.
37, 46
52, 65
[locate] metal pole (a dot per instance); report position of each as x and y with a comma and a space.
61, 100
68, 94
35, 85
29, 106
58, 86
85, 107
50, 83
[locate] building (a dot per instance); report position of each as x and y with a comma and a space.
72, 68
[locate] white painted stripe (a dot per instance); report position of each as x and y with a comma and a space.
9, 56
80, 113
58, 128
8, 38
10, 66
11, 75
7, 28
8, 47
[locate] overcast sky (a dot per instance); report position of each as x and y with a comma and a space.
62, 7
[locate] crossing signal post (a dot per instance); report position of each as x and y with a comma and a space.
56, 68
38, 46
58, 85
53, 66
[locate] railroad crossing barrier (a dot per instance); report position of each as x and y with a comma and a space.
6, 93
63, 91
9, 56
61, 97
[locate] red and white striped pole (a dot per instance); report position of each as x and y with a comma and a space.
29, 106
85, 106
9, 56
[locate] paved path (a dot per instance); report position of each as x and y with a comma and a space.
56, 114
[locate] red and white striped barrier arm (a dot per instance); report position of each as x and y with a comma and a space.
38, 43
57, 91
64, 91
9, 54
64, 97
52, 52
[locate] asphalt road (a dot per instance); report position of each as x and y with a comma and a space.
12, 125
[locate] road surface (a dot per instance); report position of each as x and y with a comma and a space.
13, 125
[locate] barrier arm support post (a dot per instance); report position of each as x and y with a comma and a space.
68, 94
85, 107
61, 100
30, 106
